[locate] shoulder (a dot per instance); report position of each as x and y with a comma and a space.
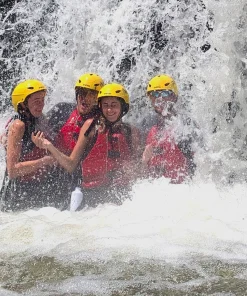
149, 120
16, 129
17, 125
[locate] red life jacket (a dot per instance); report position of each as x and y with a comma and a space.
168, 160
103, 165
69, 133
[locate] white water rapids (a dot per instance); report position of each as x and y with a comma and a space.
188, 239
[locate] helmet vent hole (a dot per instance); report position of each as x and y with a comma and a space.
30, 87
118, 91
167, 84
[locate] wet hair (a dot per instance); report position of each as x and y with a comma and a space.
124, 107
83, 91
20, 108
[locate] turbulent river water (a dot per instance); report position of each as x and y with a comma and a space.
188, 239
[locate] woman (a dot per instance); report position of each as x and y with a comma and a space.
27, 182
107, 146
168, 150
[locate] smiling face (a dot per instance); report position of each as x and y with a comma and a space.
35, 103
111, 108
86, 100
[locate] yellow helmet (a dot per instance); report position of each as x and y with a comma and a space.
162, 82
114, 90
90, 81
24, 89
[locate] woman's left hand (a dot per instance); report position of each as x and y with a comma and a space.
40, 140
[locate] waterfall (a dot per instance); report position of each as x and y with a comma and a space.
200, 43
169, 239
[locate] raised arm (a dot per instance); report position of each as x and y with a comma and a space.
15, 167
68, 162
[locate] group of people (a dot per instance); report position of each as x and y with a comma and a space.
87, 144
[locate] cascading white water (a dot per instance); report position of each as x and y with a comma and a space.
170, 239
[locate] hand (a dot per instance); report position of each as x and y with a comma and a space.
147, 154
40, 141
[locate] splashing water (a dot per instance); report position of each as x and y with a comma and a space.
170, 239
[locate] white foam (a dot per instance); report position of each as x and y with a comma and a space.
161, 221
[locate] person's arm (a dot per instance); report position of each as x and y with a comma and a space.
68, 162
132, 167
147, 154
15, 168
136, 143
